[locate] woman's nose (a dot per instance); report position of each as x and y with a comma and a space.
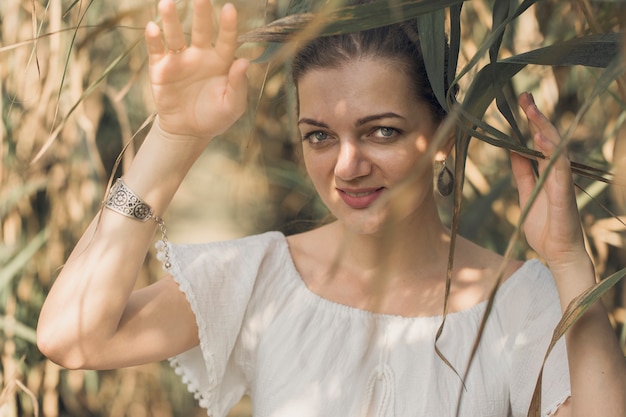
351, 162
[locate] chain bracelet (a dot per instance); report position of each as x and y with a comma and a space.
166, 250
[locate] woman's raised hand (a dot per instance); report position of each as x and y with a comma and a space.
552, 227
199, 90
596, 362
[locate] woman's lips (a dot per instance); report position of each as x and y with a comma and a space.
359, 198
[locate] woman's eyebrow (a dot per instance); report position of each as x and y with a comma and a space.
312, 122
373, 117
359, 122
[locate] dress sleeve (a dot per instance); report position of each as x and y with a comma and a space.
535, 308
217, 280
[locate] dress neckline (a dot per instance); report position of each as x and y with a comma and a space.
328, 304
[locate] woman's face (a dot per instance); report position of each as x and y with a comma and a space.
364, 133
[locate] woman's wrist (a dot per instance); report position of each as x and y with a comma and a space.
160, 166
166, 135
573, 278
576, 264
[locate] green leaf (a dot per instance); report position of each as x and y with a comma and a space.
500, 14
591, 51
493, 37
507, 112
486, 84
455, 39
299, 6
433, 45
347, 19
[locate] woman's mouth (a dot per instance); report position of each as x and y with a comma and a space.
359, 198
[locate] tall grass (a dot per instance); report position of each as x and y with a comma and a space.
74, 91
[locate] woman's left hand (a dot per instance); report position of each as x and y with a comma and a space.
552, 227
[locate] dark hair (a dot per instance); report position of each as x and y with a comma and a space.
397, 42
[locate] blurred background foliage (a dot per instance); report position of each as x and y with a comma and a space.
74, 91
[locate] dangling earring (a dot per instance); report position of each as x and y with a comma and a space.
445, 180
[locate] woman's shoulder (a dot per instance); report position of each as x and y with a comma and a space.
478, 271
532, 275
531, 281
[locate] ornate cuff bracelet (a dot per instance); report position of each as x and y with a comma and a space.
123, 200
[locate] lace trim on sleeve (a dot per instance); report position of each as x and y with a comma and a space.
205, 399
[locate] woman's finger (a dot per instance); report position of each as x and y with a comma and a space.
524, 176
156, 50
202, 24
536, 119
238, 81
546, 139
226, 42
172, 29
560, 170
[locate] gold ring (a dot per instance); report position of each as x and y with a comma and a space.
176, 51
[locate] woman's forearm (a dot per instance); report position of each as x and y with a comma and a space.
199, 92
597, 366
85, 305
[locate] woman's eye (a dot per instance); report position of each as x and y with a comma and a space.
316, 137
385, 132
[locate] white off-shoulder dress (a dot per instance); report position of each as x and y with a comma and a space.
263, 333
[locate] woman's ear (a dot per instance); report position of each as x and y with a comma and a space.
445, 133
445, 149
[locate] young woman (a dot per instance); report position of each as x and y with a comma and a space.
340, 320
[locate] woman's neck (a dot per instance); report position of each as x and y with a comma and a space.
399, 271
418, 243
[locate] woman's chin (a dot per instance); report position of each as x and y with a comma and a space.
366, 223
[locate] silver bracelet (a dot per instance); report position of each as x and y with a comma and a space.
123, 200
